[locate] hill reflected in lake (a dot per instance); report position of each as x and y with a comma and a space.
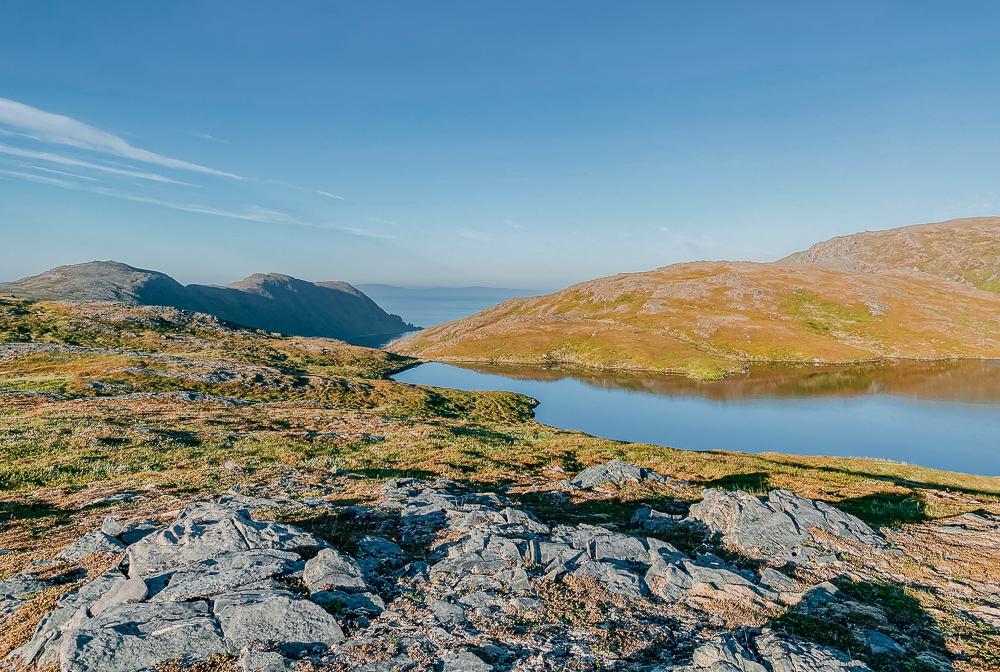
970, 381
943, 414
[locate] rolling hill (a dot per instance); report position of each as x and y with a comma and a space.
272, 302
708, 319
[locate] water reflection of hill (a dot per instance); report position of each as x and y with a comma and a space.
972, 381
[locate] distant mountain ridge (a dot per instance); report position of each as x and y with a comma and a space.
269, 301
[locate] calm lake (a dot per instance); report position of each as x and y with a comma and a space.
937, 414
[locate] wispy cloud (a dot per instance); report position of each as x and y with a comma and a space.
331, 195
53, 171
41, 179
512, 224
251, 213
473, 234
51, 157
211, 138
60, 129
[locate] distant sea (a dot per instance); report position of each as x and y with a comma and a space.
431, 306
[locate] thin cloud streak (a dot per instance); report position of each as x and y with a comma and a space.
211, 138
41, 179
333, 196
50, 157
60, 129
65, 173
253, 213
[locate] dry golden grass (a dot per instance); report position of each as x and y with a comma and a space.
708, 319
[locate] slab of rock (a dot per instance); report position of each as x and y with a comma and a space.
264, 661
89, 544
133, 637
614, 473
278, 616
686, 580
330, 569
368, 604
653, 520
448, 614
781, 655
19, 588
780, 529
881, 644
72, 608
464, 661
207, 529
226, 572
724, 654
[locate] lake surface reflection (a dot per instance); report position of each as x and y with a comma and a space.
938, 414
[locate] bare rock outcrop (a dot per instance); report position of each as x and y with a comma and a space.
439, 578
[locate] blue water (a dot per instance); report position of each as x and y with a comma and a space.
944, 415
437, 305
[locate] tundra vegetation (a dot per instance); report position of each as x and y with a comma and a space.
388, 526
921, 292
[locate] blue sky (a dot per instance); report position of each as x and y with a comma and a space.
523, 144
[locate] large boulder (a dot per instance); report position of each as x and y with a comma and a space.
774, 653
614, 473
333, 570
207, 529
782, 528
783, 655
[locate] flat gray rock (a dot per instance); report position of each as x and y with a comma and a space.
207, 529
781, 655
338, 601
227, 572
781, 529
133, 637
880, 644
330, 569
464, 661
72, 609
724, 654
274, 616
264, 661
89, 544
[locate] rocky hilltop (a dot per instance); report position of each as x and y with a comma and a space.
272, 301
435, 576
707, 319
963, 250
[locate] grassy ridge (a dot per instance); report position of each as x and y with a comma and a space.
708, 319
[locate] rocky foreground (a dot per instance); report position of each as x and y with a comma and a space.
433, 576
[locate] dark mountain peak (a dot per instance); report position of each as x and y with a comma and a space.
341, 286
271, 301
99, 281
